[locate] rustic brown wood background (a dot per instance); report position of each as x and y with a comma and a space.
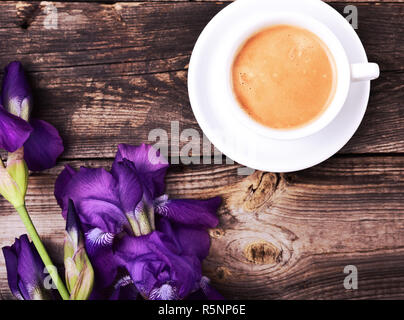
111, 72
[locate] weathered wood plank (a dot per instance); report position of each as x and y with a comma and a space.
280, 236
85, 70
115, 72
137, 1
129, 32
112, 72
328, 1
382, 128
92, 34
98, 112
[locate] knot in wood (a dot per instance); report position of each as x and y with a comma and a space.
261, 190
216, 233
262, 252
222, 273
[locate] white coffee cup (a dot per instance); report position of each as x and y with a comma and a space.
346, 73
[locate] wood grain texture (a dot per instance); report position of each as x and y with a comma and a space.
280, 236
128, 32
137, 1
113, 72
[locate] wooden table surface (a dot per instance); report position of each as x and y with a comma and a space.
111, 72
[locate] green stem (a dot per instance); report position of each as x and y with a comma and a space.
42, 251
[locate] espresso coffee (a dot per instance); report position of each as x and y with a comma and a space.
284, 77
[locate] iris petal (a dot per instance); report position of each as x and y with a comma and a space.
165, 292
155, 260
61, 186
95, 194
104, 265
14, 131
124, 289
129, 185
196, 213
208, 290
190, 240
43, 147
205, 292
96, 238
16, 93
30, 269
100, 251
150, 166
102, 214
10, 258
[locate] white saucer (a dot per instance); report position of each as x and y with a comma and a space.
234, 139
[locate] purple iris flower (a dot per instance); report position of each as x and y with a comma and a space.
115, 201
162, 254
41, 141
124, 288
166, 264
109, 203
26, 271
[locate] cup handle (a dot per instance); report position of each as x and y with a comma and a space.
364, 71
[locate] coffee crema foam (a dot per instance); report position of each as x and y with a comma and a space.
284, 77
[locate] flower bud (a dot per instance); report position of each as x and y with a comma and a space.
14, 178
26, 274
79, 271
16, 92
18, 170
